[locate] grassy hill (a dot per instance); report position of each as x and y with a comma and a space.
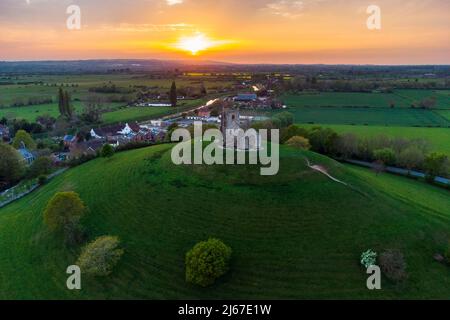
295, 235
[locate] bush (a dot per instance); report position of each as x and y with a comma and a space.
299, 143
436, 164
283, 119
410, 158
385, 155
80, 160
323, 140
368, 258
393, 265
42, 179
99, 257
207, 261
107, 151
41, 166
134, 145
292, 131
63, 214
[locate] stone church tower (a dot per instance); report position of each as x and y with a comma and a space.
230, 125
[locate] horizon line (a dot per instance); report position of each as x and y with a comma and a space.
199, 62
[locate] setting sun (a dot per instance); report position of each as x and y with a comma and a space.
194, 44
197, 43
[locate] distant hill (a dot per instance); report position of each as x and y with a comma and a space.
295, 235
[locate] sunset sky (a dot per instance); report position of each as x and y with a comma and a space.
242, 31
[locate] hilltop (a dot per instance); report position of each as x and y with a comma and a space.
295, 235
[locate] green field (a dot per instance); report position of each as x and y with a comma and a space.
125, 114
145, 113
30, 113
371, 109
400, 98
369, 116
445, 114
439, 138
47, 86
78, 86
295, 235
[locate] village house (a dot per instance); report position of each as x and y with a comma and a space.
116, 131
86, 148
27, 156
69, 140
204, 112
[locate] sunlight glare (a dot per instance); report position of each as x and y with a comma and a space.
195, 44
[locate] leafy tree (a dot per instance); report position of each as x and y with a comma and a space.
68, 107
203, 90
410, 158
173, 94
385, 155
393, 265
61, 102
347, 145
283, 119
47, 121
22, 124
23, 137
91, 113
99, 257
299, 143
42, 179
41, 166
107, 151
65, 106
11, 165
207, 261
63, 214
436, 164
292, 131
323, 140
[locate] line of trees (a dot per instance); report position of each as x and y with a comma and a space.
23, 102
111, 88
301, 83
411, 154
